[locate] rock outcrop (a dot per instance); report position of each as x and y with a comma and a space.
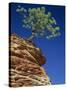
25, 64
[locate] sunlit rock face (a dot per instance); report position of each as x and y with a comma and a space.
26, 62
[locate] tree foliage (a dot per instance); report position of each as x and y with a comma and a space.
39, 22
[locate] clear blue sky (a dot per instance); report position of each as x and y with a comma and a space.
54, 49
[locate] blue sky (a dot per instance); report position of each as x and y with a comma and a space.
54, 49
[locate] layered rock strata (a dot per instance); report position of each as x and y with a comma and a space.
25, 64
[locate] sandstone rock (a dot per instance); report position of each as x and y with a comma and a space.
25, 64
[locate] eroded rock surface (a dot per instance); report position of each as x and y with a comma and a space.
25, 64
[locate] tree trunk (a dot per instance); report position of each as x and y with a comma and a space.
30, 38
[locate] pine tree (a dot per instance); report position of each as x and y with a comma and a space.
39, 22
